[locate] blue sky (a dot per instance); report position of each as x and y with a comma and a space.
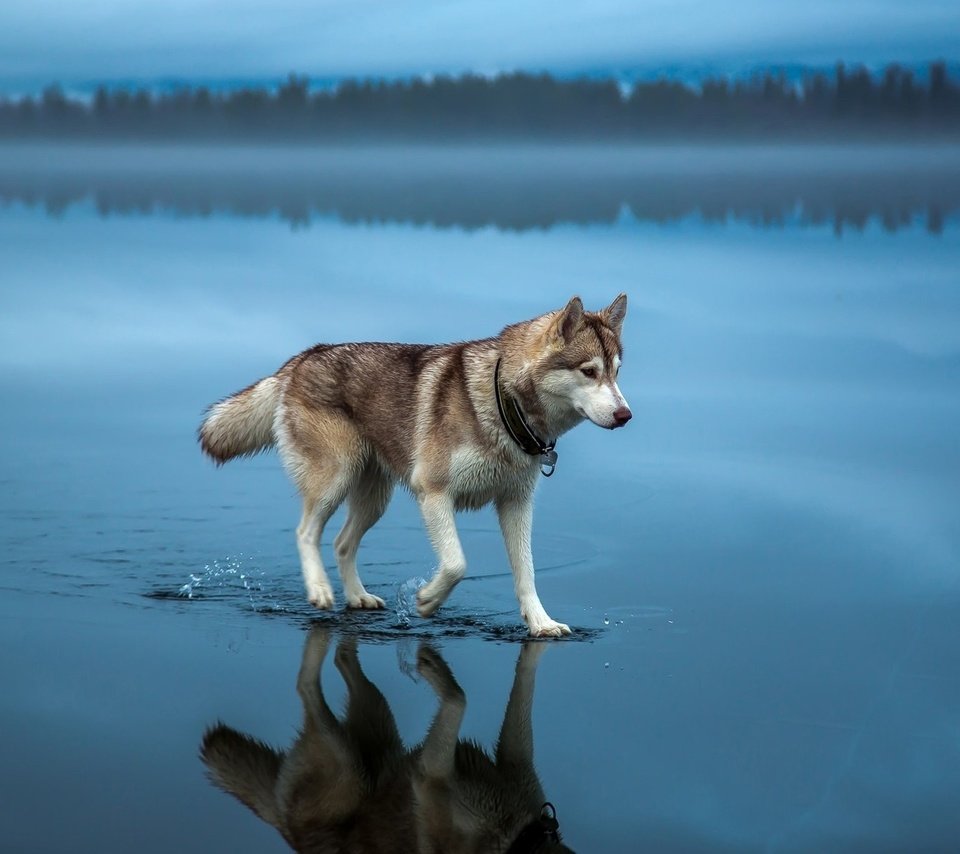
84, 40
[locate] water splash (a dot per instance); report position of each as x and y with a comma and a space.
407, 658
221, 578
407, 599
195, 581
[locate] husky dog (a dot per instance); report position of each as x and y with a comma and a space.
460, 425
351, 785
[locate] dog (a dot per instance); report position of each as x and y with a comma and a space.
460, 425
351, 785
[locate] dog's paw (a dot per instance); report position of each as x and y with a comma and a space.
427, 602
549, 629
320, 597
365, 601
346, 654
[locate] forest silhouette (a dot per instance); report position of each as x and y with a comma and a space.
849, 102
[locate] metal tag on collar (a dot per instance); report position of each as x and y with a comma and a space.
548, 462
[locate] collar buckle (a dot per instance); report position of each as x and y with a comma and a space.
548, 462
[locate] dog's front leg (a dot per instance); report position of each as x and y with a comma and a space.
440, 521
515, 746
440, 745
516, 522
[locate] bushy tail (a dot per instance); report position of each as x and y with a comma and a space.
242, 424
244, 767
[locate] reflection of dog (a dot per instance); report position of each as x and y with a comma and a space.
351, 786
462, 425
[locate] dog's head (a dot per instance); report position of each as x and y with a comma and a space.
581, 361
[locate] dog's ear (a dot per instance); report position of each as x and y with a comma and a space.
614, 313
570, 319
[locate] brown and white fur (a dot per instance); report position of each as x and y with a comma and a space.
352, 420
351, 785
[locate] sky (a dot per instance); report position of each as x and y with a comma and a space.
87, 40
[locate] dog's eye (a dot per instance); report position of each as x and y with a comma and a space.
589, 373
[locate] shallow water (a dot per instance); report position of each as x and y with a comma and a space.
761, 569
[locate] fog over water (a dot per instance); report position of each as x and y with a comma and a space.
509, 187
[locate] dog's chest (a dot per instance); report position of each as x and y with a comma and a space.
478, 477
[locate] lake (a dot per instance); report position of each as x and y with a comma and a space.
761, 569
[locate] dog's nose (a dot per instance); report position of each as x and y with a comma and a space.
621, 416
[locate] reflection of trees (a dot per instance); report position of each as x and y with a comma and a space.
514, 105
474, 190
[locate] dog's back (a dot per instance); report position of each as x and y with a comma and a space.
385, 391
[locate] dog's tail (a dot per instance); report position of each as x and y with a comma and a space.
244, 767
241, 424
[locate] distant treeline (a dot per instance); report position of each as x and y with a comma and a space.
851, 101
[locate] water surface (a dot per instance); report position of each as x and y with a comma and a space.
761, 568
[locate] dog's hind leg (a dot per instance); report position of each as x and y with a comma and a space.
317, 511
369, 721
315, 709
322, 777
323, 453
439, 519
367, 500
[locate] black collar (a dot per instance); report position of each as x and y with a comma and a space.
519, 430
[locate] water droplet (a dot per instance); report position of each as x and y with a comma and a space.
606, 620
